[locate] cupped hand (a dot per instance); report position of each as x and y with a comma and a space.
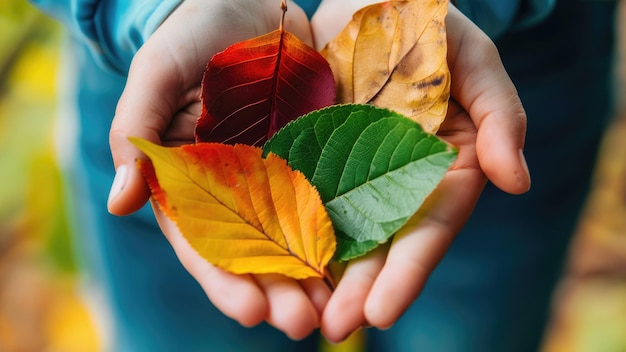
487, 122
161, 99
161, 103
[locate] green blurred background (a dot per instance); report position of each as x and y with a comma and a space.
42, 304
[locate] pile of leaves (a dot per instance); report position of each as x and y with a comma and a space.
302, 157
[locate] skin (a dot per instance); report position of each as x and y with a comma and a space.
485, 120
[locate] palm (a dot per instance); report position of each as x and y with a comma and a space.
488, 126
160, 103
188, 42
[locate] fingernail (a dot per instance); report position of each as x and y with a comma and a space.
522, 159
119, 182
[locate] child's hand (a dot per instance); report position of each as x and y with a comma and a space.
292, 306
487, 122
161, 99
161, 103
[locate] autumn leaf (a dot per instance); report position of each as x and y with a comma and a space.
372, 167
240, 211
393, 55
253, 88
245, 209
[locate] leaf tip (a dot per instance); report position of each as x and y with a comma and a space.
140, 143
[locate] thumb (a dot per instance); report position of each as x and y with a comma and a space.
144, 110
482, 86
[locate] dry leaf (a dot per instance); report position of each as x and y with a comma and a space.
393, 55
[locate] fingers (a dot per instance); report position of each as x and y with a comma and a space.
162, 81
290, 306
237, 296
419, 246
377, 289
160, 100
332, 16
491, 145
344, 313
318, 292
482, 87
144, 110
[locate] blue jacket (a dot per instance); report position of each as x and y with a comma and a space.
114, 30
557, 52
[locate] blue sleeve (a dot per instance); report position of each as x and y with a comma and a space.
113, 29
495, 17
309, 6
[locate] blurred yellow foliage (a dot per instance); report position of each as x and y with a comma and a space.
34, 76
40, 309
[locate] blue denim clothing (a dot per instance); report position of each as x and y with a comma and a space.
492, 290
495, 17
490, 293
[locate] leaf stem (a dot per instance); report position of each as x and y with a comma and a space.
283, 7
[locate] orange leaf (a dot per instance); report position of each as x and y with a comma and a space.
393, 55
241, 212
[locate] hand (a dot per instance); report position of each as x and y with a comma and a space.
161, 103
487, 122
161, 99
167, 111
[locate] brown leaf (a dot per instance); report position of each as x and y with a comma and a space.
393, 55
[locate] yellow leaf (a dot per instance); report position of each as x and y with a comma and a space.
240, 211
393, 55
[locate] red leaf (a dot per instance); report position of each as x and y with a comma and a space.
255, 87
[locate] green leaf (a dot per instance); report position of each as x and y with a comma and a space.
372, 167
348, 248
